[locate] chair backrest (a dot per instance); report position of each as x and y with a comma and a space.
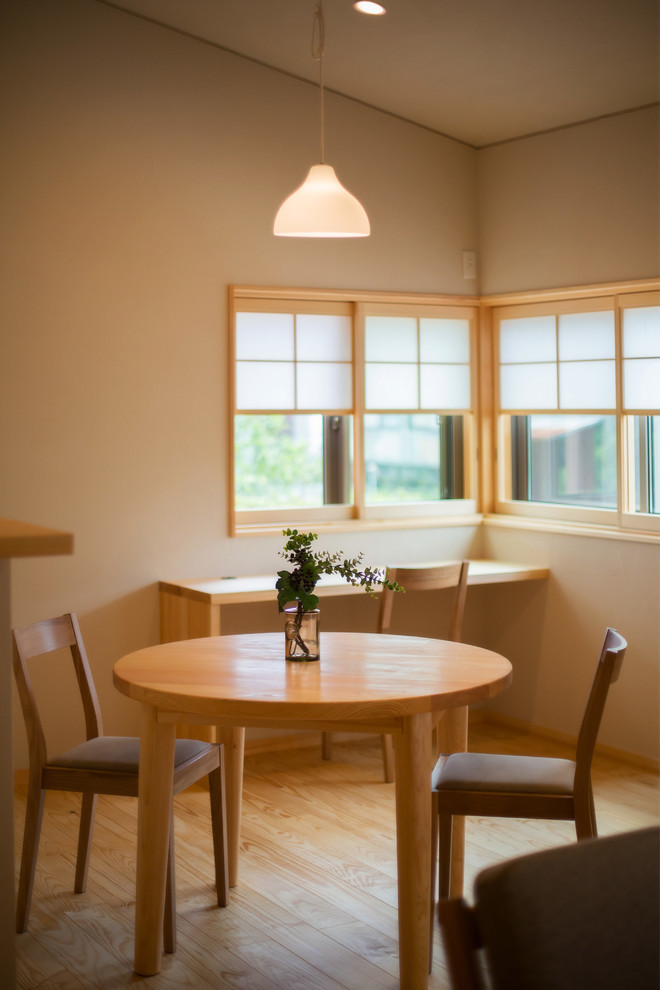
582, 915
429, 578
42, 638
607, 672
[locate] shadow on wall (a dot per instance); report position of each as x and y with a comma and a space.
510, 619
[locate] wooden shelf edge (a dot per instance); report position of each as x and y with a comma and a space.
21, 539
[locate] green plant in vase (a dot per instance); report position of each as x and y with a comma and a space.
298, 584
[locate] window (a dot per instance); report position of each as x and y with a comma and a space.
349, 408
578, 387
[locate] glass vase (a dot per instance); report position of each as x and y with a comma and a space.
301, 634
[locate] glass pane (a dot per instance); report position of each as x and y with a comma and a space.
445, 386
528, 386
641, 383
445, 341
586, 335
264, 336
323, 386
278, 461
402, 458
391, 338
587, 385
641, 332
570, 460
646, 444
391, 386
264, 385
528, 338
323, 338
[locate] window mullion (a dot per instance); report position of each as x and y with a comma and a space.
358, 406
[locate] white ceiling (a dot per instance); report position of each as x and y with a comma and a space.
479, 71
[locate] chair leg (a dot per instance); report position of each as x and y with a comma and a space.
445, 830
388, 757
169, 917
585, 816
326, 745
33, 817
434, 867
218, 826
87, 814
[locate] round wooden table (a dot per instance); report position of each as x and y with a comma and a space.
364, 682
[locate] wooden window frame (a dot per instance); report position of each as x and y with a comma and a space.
358, 513
624, 518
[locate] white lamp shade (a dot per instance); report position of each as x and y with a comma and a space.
321, 207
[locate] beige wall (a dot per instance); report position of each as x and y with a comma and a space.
141, 173
553, 634
144, 172
573, 207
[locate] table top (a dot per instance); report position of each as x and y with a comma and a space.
359, 675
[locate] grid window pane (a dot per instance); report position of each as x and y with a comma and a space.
264, 385
323, 338
392, 386
587, 385
264, 336
641, 332
528, 339
528, 386
586, 335
391, 338
445, 386
444, 341
641, 383
323, 386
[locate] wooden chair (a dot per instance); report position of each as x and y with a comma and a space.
100, 765
504, 786
580, 916
423, 578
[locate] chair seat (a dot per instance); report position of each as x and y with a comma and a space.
122, 754
504, 774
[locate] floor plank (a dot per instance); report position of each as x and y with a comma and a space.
316, 905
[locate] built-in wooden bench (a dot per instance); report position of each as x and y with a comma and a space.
190, 609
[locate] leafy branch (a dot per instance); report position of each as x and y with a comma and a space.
298, 584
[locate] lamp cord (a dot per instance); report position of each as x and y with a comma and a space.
318, 45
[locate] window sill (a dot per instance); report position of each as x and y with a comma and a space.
362, 525
502, 521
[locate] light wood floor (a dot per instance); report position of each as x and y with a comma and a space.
316, 905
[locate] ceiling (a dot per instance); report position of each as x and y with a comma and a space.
479, 71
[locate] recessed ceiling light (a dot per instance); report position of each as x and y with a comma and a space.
369, 7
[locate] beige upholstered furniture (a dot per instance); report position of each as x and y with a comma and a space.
100, 765
580, 916
486, 784
427, 577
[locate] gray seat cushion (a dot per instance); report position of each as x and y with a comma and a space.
582, 916
511, 774
121, 754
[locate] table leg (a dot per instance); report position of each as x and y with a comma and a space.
154, 822
233, 738
452, 730
413, 847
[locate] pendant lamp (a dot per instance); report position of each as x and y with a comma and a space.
321, 206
